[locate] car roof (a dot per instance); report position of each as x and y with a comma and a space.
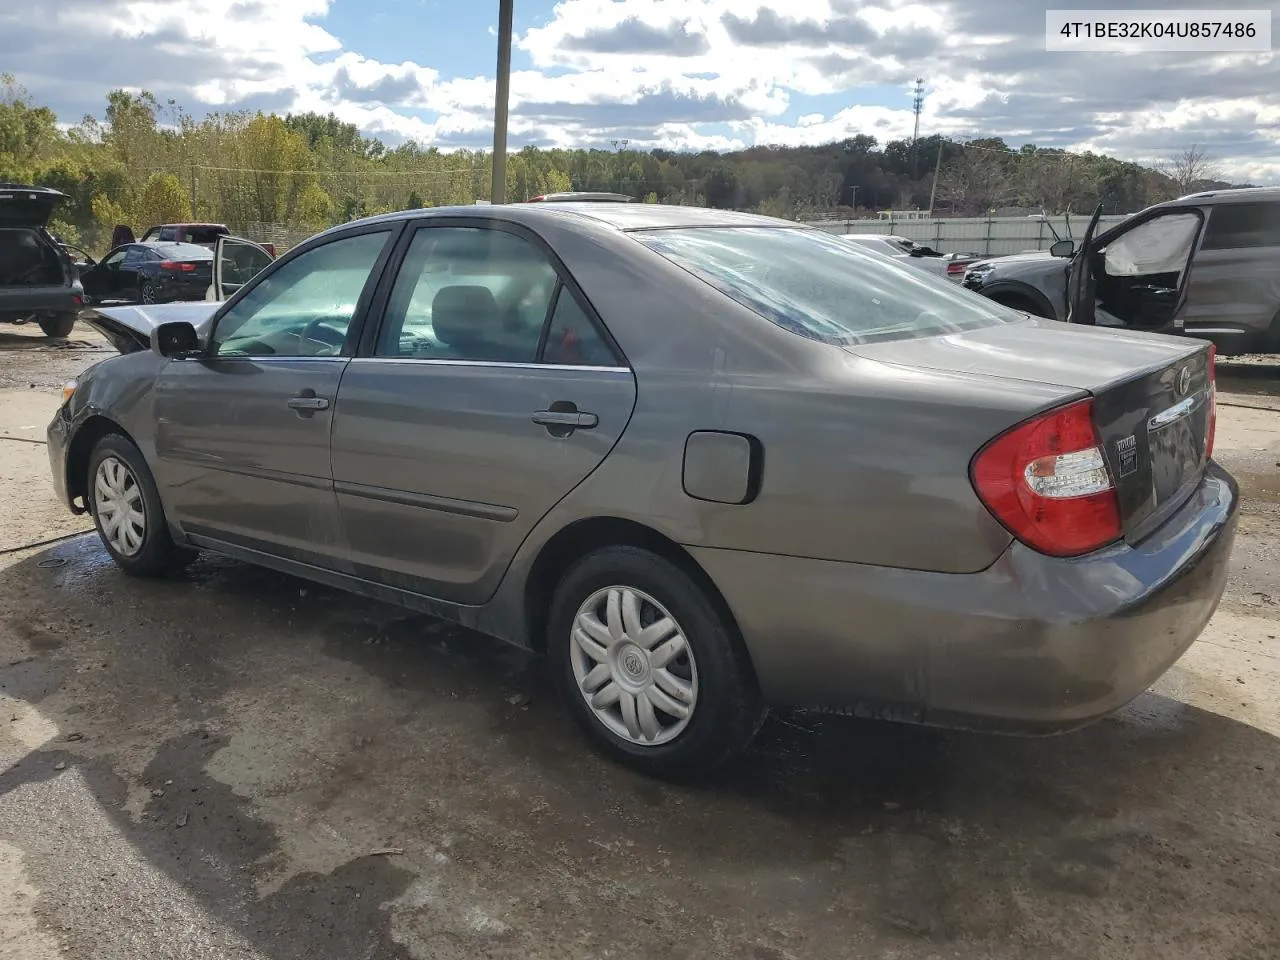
621, 216
1232, 195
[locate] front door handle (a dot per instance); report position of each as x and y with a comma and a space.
566, 418
308, 403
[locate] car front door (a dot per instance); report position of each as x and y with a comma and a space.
1141, 271
488, 393
242, 432
102, 281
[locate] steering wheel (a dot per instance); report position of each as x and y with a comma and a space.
318, 330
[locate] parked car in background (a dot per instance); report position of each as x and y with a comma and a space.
150, 272
37, 278
705, 461
581, 196
201, 234
1207, 265
951, 266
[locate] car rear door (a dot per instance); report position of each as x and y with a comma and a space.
242, 432
487, 393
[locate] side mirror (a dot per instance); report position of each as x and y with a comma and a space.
175, 340
1063, 248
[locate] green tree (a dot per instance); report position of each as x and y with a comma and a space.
163, 201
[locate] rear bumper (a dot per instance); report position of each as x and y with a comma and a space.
20, 304
183, 287
1032, 645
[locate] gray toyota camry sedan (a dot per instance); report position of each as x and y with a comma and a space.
707, 462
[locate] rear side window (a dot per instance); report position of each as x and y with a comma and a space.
821, 287
167, 233
465, 293
1237, 226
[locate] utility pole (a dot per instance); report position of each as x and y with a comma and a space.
498, 188
917, 104
936, 167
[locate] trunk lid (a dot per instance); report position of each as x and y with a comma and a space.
1152, 397
27, 206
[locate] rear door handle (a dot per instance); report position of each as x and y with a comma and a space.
566, 418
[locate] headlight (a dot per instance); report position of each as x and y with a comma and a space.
68, 389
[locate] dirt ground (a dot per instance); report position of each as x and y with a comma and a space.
239, 764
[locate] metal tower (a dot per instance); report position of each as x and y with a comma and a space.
918, 105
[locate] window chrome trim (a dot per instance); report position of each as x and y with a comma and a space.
507, 364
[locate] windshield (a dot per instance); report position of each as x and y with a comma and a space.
820, 287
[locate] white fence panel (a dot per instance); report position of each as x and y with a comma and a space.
988, 236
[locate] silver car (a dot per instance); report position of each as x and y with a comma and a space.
707, 462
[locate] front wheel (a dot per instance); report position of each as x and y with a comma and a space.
127, 511
649, 666
59, 325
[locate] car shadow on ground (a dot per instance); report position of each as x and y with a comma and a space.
1159, 826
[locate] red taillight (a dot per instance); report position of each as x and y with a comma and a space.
179, 267
1047, 481
537, 199
956, 267
77, 300
1213, 400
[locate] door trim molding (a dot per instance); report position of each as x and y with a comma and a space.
464, 508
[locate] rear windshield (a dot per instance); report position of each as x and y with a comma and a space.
821, 287
201, 234
182, 251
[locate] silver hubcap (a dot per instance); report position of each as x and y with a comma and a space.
148, 293
634, 666
117, 502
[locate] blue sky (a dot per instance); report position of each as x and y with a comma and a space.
678, 74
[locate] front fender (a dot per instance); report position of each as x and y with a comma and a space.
1017, 288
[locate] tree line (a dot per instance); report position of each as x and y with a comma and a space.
148, 161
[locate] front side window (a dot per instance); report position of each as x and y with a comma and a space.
821, 287
466, 293
305, 308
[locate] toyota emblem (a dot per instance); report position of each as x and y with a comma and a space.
1184, 381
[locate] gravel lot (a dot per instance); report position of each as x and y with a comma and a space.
239, 764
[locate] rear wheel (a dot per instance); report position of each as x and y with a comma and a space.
126, 510
649, 666
148, 292
58, 325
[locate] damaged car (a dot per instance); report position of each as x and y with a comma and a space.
705, 462
38, 281
1206, 265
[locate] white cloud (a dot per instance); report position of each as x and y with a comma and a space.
682, 74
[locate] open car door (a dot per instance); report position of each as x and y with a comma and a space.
235, 262
1081, 285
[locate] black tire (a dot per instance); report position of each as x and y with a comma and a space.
59, 325
157, 554
727, 710
147, 292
